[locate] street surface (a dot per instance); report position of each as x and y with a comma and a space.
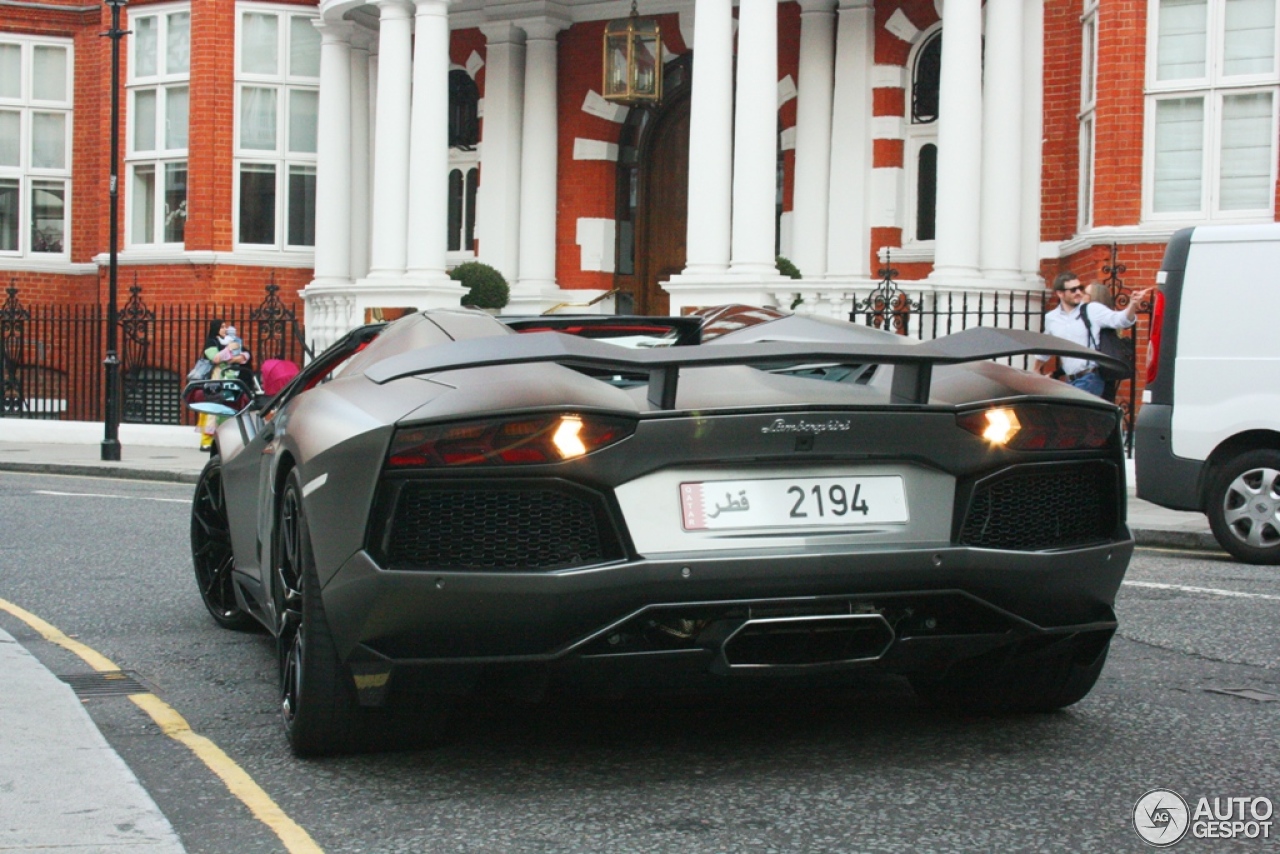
861, 769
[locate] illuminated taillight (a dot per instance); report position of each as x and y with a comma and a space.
1153, 340
1040, 427
524, 440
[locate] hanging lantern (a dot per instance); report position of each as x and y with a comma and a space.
633, 60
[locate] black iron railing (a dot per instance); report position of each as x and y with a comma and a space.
929, 315
51, 358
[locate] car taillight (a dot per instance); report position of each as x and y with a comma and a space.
1040, 427
530, 439
1153, 341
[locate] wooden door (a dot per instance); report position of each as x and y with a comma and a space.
663, 205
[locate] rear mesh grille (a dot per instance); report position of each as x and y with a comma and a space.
497, 529
1043, 507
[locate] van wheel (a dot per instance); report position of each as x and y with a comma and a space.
1244, 506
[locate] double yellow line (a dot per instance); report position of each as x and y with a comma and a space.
172, 724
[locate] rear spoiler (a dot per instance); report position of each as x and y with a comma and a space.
913, 362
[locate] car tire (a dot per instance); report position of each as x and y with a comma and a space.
211, 551
319, 704
1244, 506
318, 700
1028, 681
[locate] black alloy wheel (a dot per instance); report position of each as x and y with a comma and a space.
211, 551
318, 702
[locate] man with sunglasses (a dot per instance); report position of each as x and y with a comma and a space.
1065, 322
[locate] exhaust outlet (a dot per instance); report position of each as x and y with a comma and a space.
808, 641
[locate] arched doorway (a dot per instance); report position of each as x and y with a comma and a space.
653, 193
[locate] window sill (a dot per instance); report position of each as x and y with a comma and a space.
303, 260
48, 264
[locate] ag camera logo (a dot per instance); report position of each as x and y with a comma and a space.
1161, 817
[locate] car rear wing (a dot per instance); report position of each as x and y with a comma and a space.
913, 362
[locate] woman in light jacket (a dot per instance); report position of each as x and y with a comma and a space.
225, 365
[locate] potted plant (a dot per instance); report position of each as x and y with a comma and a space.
787, 267
486, 287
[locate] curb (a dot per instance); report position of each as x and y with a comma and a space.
1190, 540
106, 471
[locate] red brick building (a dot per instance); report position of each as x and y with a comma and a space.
355, 151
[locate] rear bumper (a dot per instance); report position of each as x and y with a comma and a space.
906, 610
1161, 476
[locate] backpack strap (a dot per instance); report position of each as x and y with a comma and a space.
1088, 327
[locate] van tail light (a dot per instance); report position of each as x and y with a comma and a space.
1040, 427
1153, 340
521, 440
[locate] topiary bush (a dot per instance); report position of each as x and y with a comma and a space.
486, 287
786, 268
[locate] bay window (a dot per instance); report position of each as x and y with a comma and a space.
35, 146
278, 99
156, 153
1213, 81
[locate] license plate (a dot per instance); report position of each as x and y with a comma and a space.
793, 502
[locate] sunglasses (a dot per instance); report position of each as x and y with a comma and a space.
1074, 290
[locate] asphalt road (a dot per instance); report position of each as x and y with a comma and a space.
864, 768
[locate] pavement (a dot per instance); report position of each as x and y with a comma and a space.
62, 787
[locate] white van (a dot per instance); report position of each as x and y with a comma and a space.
1208, 433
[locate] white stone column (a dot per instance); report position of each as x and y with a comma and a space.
849, 224
427, 223
1032, 137
813, 136
360, 167
333, 156
959, 143
498, 202
538, 167
391, 142
755, 138
1000, 244
710, 141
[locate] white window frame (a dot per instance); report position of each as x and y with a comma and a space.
910, 187
917, 136
283, 82
1088, 114
1212, 87
25, 173
464, 162
161, 157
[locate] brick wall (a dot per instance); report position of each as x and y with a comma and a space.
889, 49
197, 283
585, 188
1122, 58
210, 171
1060, 179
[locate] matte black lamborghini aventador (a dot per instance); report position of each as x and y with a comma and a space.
454, 498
